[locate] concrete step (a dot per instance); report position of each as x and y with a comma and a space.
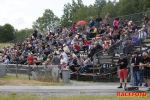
147, 40
146, 45
136, 46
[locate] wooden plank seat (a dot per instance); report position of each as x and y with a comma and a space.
95, 67
146, 45
147, 40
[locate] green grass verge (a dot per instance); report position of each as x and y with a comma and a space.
14, 96
22, 80
2, 45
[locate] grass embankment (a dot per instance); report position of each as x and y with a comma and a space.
14, 96
2, 45
22, 80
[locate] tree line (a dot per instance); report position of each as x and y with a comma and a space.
76, 10
9, 34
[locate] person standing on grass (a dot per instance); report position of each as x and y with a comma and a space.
122, 63
55, 60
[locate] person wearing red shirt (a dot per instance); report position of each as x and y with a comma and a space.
106, 46
76, 48
86, 45
30, 59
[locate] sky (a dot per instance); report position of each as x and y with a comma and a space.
22, 13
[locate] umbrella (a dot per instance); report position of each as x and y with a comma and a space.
82, 22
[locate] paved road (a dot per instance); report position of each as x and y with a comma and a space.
74, 88
65, 90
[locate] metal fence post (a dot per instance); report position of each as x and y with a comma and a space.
17, 69
58, 75
45, 70
140, 44
29, 71
120, 44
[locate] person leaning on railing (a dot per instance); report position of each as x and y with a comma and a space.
145, 63
136, 70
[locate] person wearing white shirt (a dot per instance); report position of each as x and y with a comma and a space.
63, 60
66, 48
142, 34
86, 64
63, 54
6, 61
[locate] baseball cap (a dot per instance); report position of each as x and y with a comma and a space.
121, 55
135, 52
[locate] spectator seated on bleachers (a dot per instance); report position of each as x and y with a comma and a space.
1, 57
66, 49
6, 60
142, 35
39, 59
76, 48
48, 60
86, 64
75, 63
23, 58
86, 45
30, 59
135, 40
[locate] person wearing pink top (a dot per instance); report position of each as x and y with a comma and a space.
73, 26
115, 23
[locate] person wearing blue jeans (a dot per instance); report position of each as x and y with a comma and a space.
132, 77
84, 68
86, 63
98, 20
136, 71
145, 63
136, 75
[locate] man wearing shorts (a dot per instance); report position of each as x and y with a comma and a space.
145, 62
122, 63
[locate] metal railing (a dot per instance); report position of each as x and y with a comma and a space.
44, 73
137, 18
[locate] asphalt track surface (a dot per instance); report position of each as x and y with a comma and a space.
83, 88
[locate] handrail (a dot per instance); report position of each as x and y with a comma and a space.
109, 47
130, 14
28, 65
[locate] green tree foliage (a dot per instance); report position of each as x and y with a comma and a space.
77, 11
109, 8
20, 35
48, 22
7, 33
67, 17
99, 4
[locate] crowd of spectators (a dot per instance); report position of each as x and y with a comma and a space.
63, 47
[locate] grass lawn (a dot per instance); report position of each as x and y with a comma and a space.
14, 96
11, 79
2, 45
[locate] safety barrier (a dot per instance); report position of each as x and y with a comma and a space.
38, 72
